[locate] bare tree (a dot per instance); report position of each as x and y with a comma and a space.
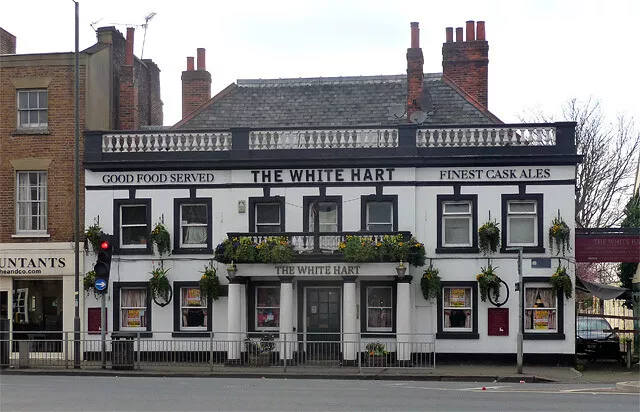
604, 180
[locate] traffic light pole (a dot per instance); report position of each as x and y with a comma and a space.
103, 327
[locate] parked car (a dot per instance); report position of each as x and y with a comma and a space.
596, 339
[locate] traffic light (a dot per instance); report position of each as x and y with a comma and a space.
103, 264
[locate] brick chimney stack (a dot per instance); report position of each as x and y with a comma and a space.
7, 42
415, 71
129, 119
196, 84
466, 63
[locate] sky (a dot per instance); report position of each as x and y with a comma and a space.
541, 52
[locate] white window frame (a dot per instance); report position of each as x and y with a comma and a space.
389, 307
530, 307
184, 225
40, 107
258, 224
457, 215
389, 222
40, 202
144, 307
257, 307
203, 305
533, 214
469, 307
144, 224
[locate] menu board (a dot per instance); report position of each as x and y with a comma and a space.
192, 297
541, 319
457, 298
133, 318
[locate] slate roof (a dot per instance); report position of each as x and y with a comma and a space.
330, 102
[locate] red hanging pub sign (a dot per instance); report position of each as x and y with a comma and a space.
608, 245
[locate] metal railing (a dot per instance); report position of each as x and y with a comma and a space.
211, 350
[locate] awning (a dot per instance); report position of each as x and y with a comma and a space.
600, 290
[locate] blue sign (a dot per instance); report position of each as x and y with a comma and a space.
101, 285
540, 263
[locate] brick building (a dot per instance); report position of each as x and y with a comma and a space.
37, 136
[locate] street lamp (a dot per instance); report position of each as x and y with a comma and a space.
519, 288
232, 269
401, 270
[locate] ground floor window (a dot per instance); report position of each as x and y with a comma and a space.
267, 312
132, 307
543, 310
379, 308
458, 311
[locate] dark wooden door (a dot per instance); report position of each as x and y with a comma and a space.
323, 322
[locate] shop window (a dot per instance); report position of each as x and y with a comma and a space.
192, 313
543, 314
379, 213
266, 215
267, 308
133, 217
457, 224
132, 303
458, 311
192, 224
31, 202
33, 109
522, 222
327, 211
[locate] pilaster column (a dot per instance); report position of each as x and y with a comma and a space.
403, 319
287, 339
234, 320
349, 320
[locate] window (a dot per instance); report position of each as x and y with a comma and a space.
193, 313
266, 215
267, 315
380, 308
457, 224
32, 109
31, 211
327, 211
133, 217
379, 213
133, 309
458, 311
522, 222
543, 310
192, 224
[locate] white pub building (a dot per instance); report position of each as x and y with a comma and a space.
311, 162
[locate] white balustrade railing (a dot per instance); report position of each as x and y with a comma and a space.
323, 139
486, 136
166, 142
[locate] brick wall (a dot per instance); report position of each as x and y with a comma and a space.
415, 72
7, 42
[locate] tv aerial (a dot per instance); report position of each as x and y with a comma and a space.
147, 18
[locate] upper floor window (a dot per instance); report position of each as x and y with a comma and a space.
266, 215
133, 224
31, 210
326, 211
522, 222
192, 224
457, 223
32, 109
379, 213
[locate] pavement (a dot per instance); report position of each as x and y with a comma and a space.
626, 380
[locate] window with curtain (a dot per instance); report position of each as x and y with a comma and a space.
457, 309
193, 225
327, 216
33, 109
31, 197
133, 308
267, 307
540, 314
457, 222
379, 308
193, 309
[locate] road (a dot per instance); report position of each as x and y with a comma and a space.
101, 393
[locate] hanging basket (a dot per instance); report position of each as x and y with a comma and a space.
489, 282
430, 283
559, 236
209, 284
92, 237
160, 286
489, 237
161, 238
561, 281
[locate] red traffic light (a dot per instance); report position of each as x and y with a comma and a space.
104, 245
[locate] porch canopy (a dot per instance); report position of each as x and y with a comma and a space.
600, 290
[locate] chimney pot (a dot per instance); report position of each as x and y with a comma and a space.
471, 30
459, 34
449, 34
415, 35
190, 64
201, 59
128, 56
481, 33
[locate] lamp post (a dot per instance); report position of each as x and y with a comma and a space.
76, 317
520, 289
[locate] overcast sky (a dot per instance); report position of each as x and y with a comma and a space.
541, 52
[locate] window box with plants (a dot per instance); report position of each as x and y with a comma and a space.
392, 248
274, 249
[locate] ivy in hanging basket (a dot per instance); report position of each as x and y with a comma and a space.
161, 238
430, 283
159, 284
560, 280
92, 237
489, 282
88, 282
559, 236
209, 284
489, 237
